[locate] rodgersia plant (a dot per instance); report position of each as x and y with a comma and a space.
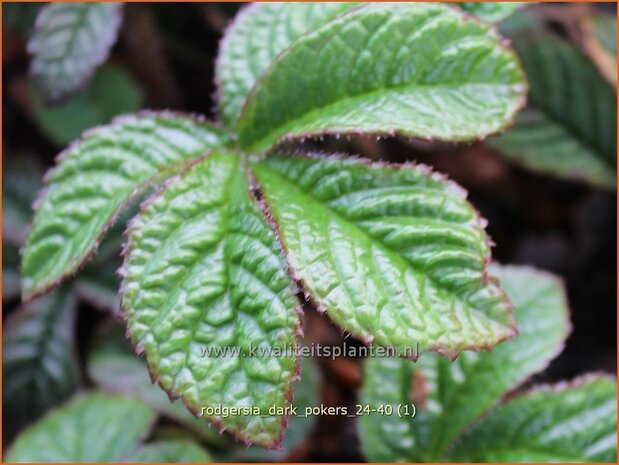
237, 227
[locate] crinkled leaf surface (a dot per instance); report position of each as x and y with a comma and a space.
490, 11
393, 254
569, 126
306, 394
204, 271
69, 41
564, 423
170, 452
38, 357
111, 92
449, 396
418, 69
258, 34
91, 428
114, 368
95, 178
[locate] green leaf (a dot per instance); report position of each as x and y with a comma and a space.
69, 41
38, 357
306, 394
258, 34
93, 181
91, 428
114, 368
401, 68
449, 396
575, 422
204, 272
393, 254
112, 92
569, 127
170, 452
490, 11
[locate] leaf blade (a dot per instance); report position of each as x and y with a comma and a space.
452, 395
223, 287
407, 95
69, 42
275, 27
38, 356
349, 229
95, 179
541, 426
569, 128
91, 428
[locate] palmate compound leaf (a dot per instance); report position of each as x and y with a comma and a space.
450, 396
95, 179
69, 41
258, 34
204, 272
569, 126
416, 69
568, 422
92, 427
395, 255
490, 11
38, 357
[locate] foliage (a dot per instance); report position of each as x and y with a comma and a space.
450, 397
99, 427
241, 219
569, 126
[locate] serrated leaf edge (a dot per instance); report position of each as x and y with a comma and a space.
79, 264
512, 392
480, 224
227, 33
503, 43
138, 350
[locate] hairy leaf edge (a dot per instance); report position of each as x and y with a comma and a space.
549, 388
78, 264
503, 42
545, 363
480, 224
227, 34
277, 444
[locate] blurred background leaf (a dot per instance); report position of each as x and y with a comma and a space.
39, 367
68, 42
110, 93
569, 125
